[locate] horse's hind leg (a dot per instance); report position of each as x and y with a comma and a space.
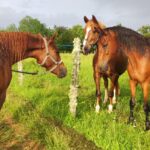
106, 90
145, 88
114, 80
133, 85
2, 98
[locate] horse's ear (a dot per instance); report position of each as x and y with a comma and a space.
54, 35
52, 38
39, 34
94, 19
86, 19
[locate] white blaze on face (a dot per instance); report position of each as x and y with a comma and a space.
86, 35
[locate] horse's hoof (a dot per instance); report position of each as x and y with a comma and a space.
110, 108
105, 101
110, 111
97, 108
147, 125
132, 121
114, 101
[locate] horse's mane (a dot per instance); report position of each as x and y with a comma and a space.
102, 26
130, 38
19, 42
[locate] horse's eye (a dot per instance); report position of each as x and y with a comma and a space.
94, 31
105, 45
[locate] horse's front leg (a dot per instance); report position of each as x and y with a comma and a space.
106, 89
2, 98
116, 93
98, 93
114, 80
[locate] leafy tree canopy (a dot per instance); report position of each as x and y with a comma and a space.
145, 30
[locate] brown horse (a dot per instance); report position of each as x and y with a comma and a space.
122, 48
16, 46
105, 63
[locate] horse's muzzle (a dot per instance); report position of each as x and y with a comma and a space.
63, 73
85, 50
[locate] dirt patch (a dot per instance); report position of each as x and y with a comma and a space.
14, 137
77, 140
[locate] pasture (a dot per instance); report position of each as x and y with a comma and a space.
36, 114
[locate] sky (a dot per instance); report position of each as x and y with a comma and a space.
129, 13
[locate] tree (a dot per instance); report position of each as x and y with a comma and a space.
64, 39
145, 30
77, 31
28, 24
11, 27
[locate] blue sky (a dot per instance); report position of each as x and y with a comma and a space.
130, 13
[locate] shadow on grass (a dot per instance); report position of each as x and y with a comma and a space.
42, 124
12, 137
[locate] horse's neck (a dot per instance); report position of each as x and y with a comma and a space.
27, 46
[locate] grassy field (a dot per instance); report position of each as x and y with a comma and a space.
36, 116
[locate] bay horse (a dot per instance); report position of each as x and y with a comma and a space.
16, 46
132, 52
105, 63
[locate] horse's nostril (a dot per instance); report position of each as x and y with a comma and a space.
63, 73
85, 50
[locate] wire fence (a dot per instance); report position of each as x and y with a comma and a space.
65, 47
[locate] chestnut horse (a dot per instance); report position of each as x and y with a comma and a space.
119, 49
16, 46
105, 63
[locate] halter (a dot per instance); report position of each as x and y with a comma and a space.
49, 56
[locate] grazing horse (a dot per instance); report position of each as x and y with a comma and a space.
132, 52
16, 46
105, 63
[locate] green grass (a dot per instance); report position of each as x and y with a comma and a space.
39, 114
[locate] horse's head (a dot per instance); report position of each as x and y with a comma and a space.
49, 58
93, 30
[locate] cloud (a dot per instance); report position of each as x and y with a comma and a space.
130, 13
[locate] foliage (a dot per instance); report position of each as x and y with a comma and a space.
12, 27
145, 30
65, 36
77, 31
41, 108
28, 24
64, 39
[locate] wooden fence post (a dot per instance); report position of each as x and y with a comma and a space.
20, 75
73, 93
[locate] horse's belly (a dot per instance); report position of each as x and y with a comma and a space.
139, 72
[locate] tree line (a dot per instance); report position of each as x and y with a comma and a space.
65, 36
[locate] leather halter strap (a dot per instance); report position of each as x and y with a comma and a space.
49, 56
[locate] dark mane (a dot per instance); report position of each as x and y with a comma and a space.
129, 38
17, 43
